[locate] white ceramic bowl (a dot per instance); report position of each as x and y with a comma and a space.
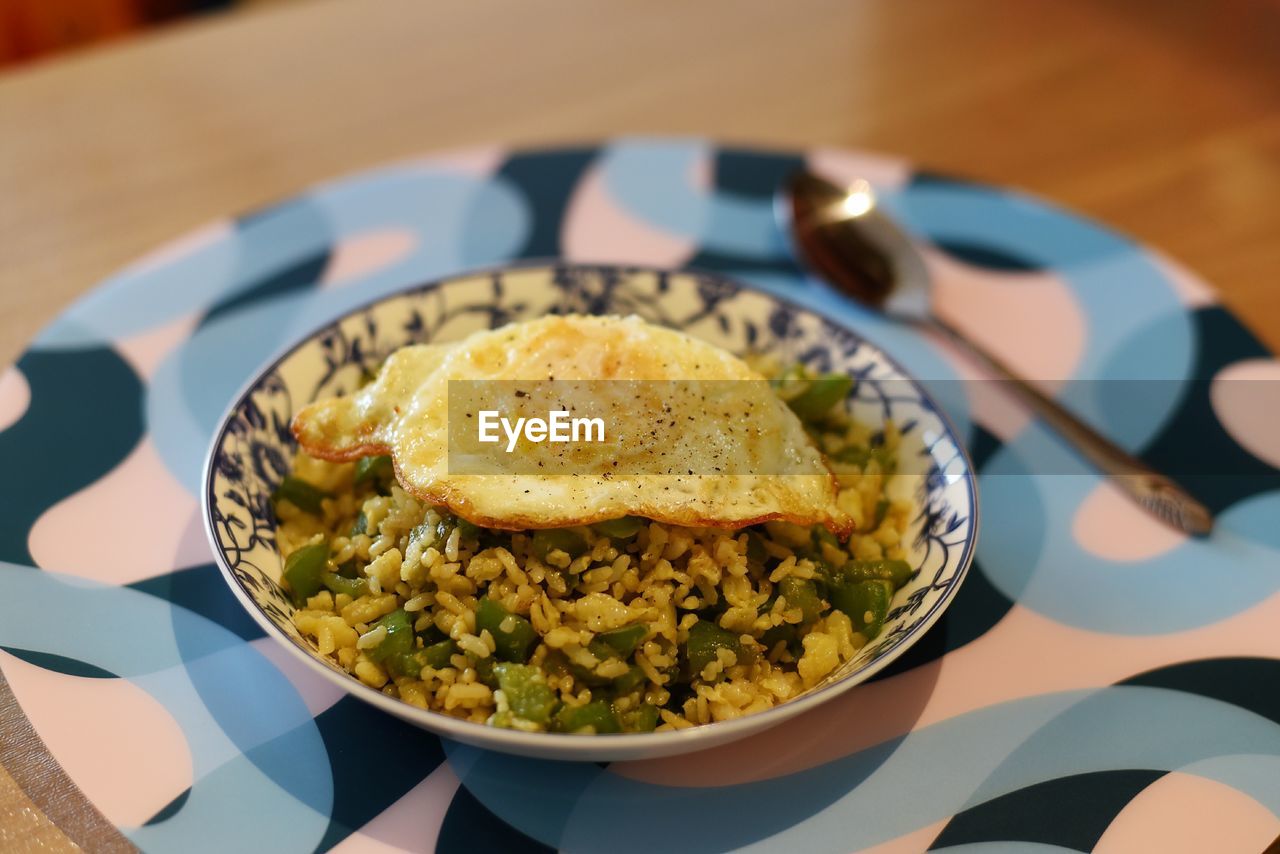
253, 449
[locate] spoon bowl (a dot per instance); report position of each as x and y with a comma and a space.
844, 235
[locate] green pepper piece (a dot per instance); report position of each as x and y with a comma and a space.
420, 531
861, 455
406, 664
586, 675
556, 664
624, 641
822, 535
643, 718
784, 633
567, 540
790, 376
399, 639
597, 714
882, 510
303, 569
601, 650
629, 681
374, 470
353, 587
430, 634
621, 529
437, 655
803, 594
755, 547
822, 576
360, 526
444, 527
484, 670
300, 494
527, 691
820, 396
705, 639
866, 603
467, 530
513, 635
898, 572
858, 455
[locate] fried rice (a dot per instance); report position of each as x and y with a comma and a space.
624, 626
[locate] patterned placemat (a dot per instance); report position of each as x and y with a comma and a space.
1099, 682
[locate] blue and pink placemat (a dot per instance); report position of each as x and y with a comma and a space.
1100, 683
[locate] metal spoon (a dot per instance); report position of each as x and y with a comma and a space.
844, 236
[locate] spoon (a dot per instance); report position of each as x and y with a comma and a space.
842, 234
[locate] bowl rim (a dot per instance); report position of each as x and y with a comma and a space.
545, 743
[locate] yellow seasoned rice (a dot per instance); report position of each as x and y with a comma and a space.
422, 560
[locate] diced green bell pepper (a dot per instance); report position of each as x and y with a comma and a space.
784, 633
820, 396
528, 694
705, 639
399, 639
598, 715
866, 603
405, 664
882, 510
513, 635
586, 675
623, 641
353, 587
790, 375
485, 670
303, 571
411, 663
820, 536
629, 681
621, 529
547, 540
437, 535
467, 530
643, 718
898, 572
803, 594
377, 470
300, 494
437, 655
861, 455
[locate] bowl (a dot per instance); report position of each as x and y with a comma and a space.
253, 450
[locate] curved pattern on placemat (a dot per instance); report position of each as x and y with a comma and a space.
1143, 664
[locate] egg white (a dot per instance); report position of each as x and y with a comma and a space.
667, 440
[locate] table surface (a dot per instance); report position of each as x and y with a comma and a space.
1159, 118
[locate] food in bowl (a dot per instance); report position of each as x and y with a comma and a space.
601, 610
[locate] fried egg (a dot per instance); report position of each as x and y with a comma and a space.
691, 434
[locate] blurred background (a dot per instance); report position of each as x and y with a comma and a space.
30, 29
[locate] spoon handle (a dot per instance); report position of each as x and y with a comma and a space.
1153, 491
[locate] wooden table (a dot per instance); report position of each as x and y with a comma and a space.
1160, 118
